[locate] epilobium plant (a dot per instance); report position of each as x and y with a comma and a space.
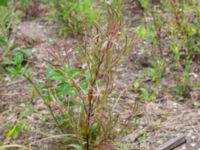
78, 99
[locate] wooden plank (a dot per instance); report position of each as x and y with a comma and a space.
173, 143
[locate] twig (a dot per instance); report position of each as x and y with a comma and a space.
53, 137
173, 143
13, 146
12, 83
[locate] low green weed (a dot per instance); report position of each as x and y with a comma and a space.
73, 15
10, 55
13, 132
137, 85
15, 65
7, 21
147, 95
157, 71
183, 87
184, 27
76, 15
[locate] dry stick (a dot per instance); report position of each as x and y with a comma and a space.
12, 83
173, 143
52, 137
13, 146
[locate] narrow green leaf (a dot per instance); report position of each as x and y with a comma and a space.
76, 146
19, 58
9, 62
30, 109
47, 98
17, 131
3, 2
66, 89
55, 74
3, 42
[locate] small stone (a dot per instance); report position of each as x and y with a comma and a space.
175, 105
190, 131
193, 144
183, 147
189, 134
7, 79
160, 141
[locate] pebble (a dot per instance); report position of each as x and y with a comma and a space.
191, 131
7, 79
175, 105
193, 144
160, 141
183, 147
189, 134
